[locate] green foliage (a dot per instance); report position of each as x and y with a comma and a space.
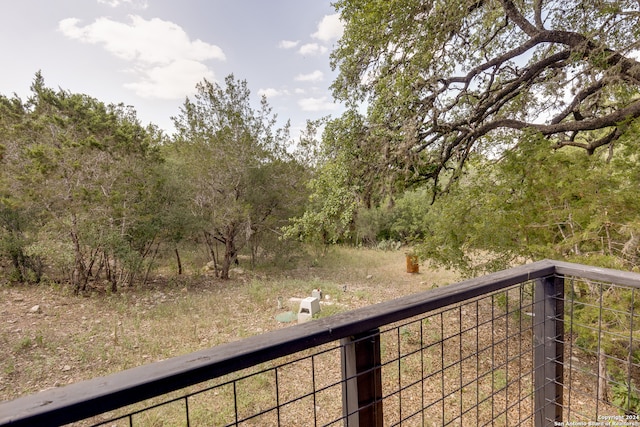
14, 242
451, 113
626, 397
442, 80
83, 181
233, 163
347, 176
403, 219
409, 215
330, 208
570, 206
90, 197
600, 305
389, 245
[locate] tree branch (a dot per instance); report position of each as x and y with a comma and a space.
613, 119
579, 42
514, 14
580, 96
537, 11
593, 145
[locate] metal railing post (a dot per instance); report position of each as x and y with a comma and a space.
362, 380
548, 332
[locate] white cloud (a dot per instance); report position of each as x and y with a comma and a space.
271, 92
288, 44
157, 48
315, 76
69, 27
171, 81
312, 49
153, 41
330, 28
317, 104
138, 4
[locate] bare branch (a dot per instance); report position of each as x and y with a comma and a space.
514, 14
593, 145
580, 96
537, 11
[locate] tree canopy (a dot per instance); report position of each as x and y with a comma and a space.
570, 206
236, 168
446, 77
90, 197
527, 99
80, 188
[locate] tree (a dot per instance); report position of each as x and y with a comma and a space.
87, 174
331, 207
569, 206
17, 218
450, 77
235, 161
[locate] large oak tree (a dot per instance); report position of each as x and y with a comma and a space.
446, 77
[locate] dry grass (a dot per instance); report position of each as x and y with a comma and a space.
71, 338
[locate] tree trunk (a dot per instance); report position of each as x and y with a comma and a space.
211, 241
79, 275
150, 265
178, 259
602, 376
16, 260
631, 246
230, 251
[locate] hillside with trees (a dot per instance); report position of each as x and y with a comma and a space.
89, 196
479, 134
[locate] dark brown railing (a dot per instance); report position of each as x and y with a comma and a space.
533, 345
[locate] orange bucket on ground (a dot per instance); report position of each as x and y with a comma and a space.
412, 264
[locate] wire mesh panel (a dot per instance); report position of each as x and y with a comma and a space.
299, 390
602, 352
470, 364
467, 364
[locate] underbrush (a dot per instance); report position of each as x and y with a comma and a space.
52, 336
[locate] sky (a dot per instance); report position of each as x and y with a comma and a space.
150, 54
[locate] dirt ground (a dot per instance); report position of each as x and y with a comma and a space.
50, 337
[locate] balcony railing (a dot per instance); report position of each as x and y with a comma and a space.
541, 344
